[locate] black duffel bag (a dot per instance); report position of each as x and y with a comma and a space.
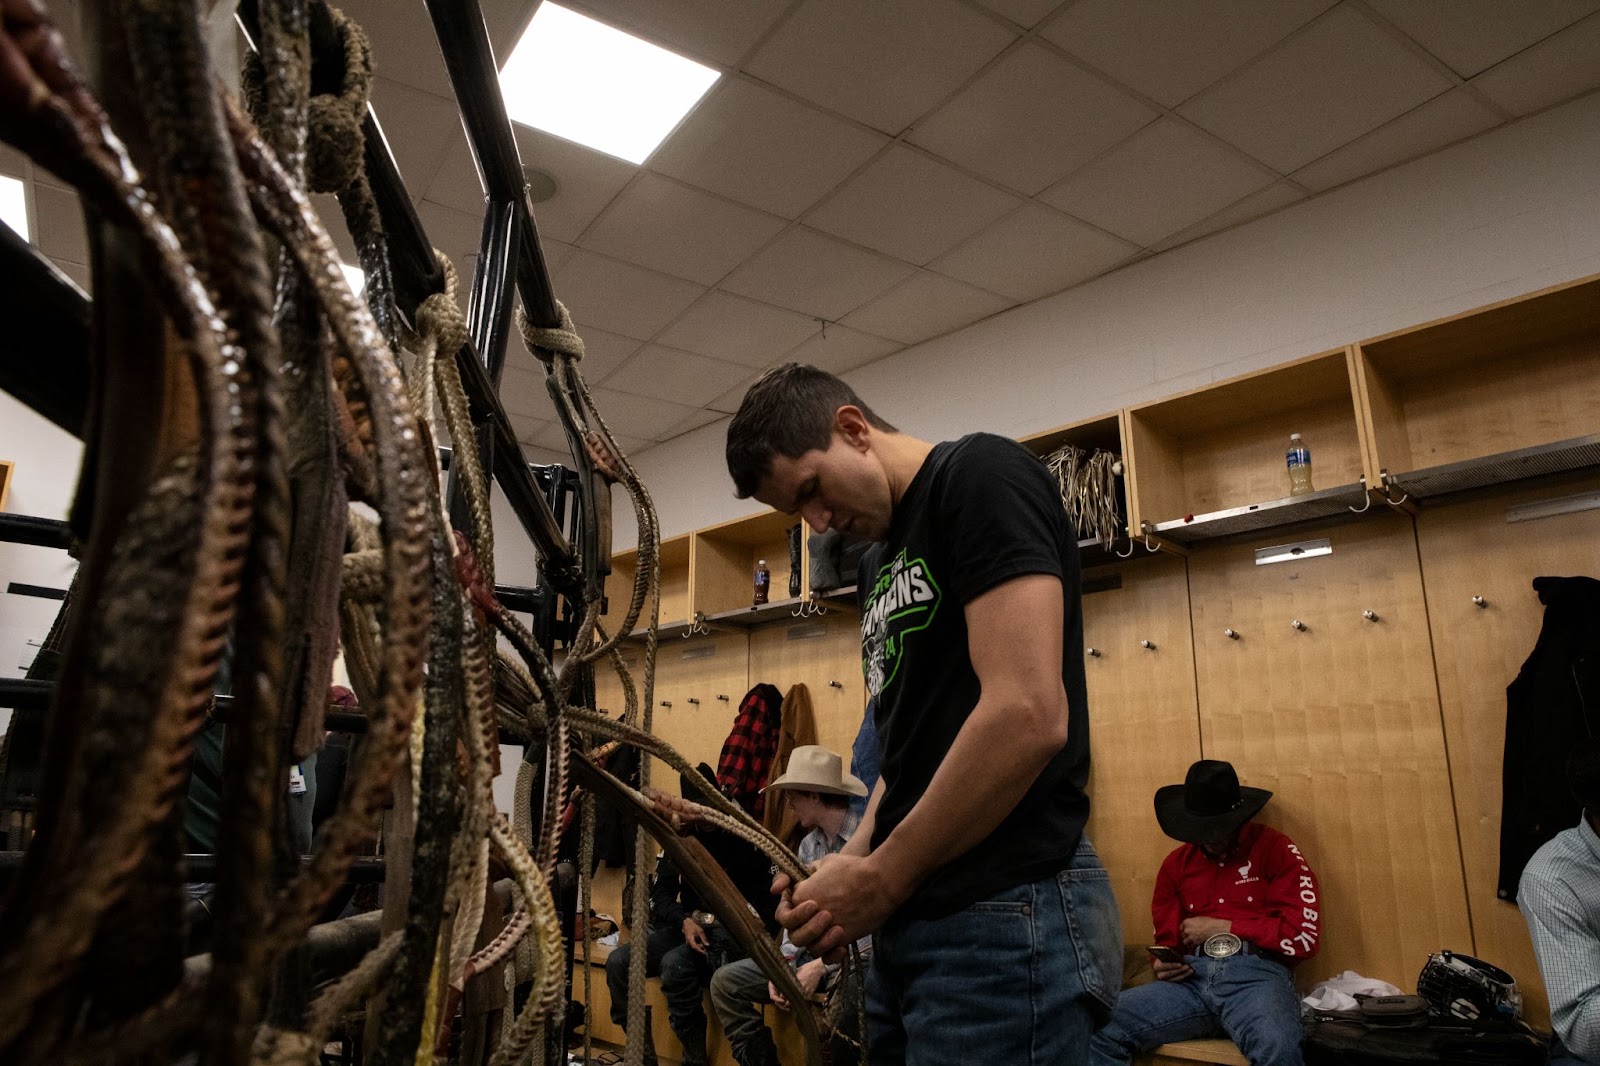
1398, 1029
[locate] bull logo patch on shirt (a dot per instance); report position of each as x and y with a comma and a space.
903, 600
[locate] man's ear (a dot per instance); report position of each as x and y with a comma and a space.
852, 425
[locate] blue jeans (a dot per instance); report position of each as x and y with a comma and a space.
1250, 1000
1023, 977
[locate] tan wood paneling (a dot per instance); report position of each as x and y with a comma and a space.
1468, 549
1342, 722
789, 654
696, 730
1144, 728
1245, 464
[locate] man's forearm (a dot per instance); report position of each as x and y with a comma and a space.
995, 759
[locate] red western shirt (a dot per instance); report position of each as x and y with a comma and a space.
1264, 886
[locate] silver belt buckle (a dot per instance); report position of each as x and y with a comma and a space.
1222, 945
704, 919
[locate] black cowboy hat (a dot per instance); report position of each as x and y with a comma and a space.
1209, 805
690, 789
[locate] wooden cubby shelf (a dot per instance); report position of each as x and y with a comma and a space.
1507, 392
1255, 517
725, 558
1102, 433
676, 608
1210, 462
756, 614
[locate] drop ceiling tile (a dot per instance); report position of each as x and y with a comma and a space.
1321, 89
1471, 36
1268, 200
453, 232
639, 416
1032, 253
603, 352
1024, 13
668, 374
13, 162
1167, 176
712, 30
586, 180
839, 350
327, 208
884, 62
926, 306
1030, 119
738, 330
728, 402
526, 427
551, 436
620, 297
1553, 70
78, 272
679, 230
814, 274
58, 223
404, 49
555, 252
1170, 51
523, 392
764, 149
1441, 121
418, 126
910, 206
701, 417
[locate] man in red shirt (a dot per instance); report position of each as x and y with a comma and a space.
1235, 909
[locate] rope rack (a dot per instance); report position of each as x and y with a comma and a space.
256, 400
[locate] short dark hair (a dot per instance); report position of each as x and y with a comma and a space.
788, 411
1583, 774
828, 799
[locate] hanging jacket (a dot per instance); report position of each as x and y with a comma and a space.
799, 726
748, 751
1554, 701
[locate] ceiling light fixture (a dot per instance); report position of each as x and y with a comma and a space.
14, 205
591, 83
355, 276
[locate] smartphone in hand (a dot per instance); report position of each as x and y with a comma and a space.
1165, 954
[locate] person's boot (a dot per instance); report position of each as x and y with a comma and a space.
761, 1052
694, 1046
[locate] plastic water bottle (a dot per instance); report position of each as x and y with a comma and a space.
1298, 460
763, 582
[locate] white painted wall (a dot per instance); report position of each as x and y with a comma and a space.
1514, 210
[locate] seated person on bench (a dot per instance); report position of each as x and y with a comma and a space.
820, 793
1235, 908
1560, 899
687, 943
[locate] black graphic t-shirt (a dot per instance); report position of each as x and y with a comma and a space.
980, 512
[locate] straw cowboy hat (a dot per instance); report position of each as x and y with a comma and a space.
813, 768
1209, 805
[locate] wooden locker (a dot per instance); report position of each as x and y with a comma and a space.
1144, 727
1469, 549
815, 651
1341, 720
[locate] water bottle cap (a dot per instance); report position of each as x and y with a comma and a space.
761, 562
1294, 436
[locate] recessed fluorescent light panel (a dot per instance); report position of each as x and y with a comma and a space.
583, 80
355, 276
14, 206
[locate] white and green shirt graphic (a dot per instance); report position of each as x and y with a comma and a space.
903, 600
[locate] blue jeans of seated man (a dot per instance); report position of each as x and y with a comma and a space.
1560, 1056
1250, 1000
1024, 977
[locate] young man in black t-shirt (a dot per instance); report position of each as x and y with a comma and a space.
997, 934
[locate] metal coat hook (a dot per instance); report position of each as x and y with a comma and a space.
666, 703
1093, 653
799, 611
1129, 553
1388, 486
1148, 645
693, 701
1298, 626
836, 684
1479, 601
1231, 634
724, 699
1371, 616
1366, 506
1145, 528
697, 627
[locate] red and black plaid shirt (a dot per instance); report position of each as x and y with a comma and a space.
748, 752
